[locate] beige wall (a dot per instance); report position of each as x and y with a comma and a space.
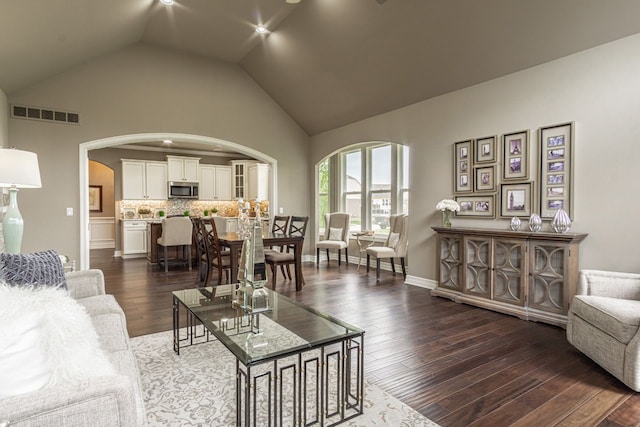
104, 176
599, 89
143, 89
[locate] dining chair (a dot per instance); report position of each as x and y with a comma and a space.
199, 238
395, 246
216, 258
336, 236
176, 232
297, 227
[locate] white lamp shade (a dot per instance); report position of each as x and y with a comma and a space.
19, 168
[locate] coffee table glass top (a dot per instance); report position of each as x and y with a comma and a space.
290, 327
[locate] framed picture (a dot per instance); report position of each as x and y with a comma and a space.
463, 167
95, 198
516, 200
485, 149
478, 206
556, 169
515, 155
485, 178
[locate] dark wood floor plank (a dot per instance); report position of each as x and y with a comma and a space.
459, 364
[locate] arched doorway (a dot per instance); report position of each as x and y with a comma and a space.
101, 204
114, 141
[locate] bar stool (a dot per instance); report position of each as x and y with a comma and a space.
176, 232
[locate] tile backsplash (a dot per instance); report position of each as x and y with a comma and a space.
195, 207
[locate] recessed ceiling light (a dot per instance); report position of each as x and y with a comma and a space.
293, 1
167, 141
260, 29
167, 1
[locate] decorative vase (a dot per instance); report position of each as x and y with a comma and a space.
446, 218
561, 222
535, 222
515, 223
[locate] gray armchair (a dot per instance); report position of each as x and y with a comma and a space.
604, 320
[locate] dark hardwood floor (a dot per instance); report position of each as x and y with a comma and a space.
456, 364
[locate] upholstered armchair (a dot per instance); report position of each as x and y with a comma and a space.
395, 246
603, 322
336, 235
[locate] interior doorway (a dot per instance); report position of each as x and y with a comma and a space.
115, 141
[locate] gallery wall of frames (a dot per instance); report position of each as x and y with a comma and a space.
492, 177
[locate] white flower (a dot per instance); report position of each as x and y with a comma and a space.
448, 205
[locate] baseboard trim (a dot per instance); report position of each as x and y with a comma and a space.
420, 282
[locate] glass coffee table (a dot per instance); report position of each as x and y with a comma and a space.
294, 365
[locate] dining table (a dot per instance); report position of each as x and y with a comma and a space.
233, 241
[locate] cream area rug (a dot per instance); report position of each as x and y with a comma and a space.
197, 388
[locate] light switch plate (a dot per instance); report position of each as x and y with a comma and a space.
69, 211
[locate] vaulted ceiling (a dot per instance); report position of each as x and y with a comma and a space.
326, 62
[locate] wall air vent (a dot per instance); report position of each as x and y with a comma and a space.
44, 114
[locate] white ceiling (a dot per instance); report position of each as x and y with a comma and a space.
327, 62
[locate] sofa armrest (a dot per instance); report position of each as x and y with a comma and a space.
609, 284
101, 401
85, 283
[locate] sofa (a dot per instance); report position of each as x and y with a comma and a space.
604, 322
107, 400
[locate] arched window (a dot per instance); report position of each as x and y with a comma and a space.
370, 181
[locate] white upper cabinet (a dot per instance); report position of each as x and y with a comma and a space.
250, 179
142, 180
215, 182
183, 169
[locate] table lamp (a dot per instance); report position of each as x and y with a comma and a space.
18, 169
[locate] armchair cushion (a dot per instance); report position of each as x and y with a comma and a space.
619, 318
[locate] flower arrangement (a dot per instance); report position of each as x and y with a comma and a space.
447, 206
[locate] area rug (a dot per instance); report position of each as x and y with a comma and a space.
197, 388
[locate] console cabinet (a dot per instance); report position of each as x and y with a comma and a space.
529, 275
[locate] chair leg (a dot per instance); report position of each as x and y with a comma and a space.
339, 253
393, 265
368, 262
346, 256
404, 271
377, 268
288, 272
327, 256
189, 255
317, 257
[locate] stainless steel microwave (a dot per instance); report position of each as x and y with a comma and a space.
182, 190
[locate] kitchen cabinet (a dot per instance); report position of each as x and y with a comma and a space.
183, 169
250, 179
215, 182
258, 181
531, 275
144, 180
134, 238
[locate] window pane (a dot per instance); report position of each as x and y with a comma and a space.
380, 211
323, 208
353, 207
323, 177
405, 170
381, 168
353, 163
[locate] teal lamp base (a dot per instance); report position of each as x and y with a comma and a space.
12, 224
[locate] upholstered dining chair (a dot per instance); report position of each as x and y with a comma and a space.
175, 232
336, 236
395, 246
216, 258
297, 227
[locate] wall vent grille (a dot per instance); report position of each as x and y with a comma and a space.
44, 114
